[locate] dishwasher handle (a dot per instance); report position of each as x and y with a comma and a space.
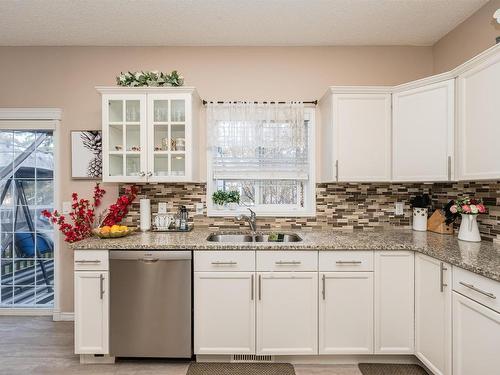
149, 260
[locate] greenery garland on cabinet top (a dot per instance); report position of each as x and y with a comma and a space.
150, 78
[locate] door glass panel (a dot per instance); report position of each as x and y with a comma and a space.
178, 111
161, 139
160, 110
178, 165
26, 236
115, 110
161, 165
133, 110
133, 138
178, 141
133, 165
116, 165
116, 138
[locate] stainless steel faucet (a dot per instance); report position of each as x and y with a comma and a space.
252, 220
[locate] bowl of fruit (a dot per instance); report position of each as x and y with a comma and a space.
114, 231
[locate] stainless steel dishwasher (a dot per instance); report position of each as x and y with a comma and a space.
150, 304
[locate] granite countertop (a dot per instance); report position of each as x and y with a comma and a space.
482, 258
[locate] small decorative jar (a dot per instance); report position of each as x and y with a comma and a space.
420, 219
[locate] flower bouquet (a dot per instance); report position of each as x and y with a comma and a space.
468, 209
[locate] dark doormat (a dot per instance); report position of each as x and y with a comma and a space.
390, 369
215, 368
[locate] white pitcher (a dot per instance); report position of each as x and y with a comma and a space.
469, 230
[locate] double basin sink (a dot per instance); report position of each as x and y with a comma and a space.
259, 237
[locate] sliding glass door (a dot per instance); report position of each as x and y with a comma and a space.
27, 241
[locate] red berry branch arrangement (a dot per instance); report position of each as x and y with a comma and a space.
83, 213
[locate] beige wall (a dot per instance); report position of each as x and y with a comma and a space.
471, 37
65, 77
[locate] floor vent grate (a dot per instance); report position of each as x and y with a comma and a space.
251, 358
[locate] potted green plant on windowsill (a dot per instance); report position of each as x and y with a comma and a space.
219, 199
233, 199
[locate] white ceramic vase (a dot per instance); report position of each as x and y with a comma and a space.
469, 230
420, 219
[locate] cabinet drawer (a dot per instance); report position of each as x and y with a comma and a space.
476, 287
276, 261
224, 261
91, 260
350, 260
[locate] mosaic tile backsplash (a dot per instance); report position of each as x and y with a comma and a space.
367, 206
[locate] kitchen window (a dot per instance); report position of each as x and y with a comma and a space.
265, 151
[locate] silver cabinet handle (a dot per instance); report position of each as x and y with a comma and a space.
287, 262
101, 285
150, 174
348, 262
442, 268
470, 286
336, 170
252, 287
96, 261
449, 168
142, 174
323, 291
260, 287
230, 263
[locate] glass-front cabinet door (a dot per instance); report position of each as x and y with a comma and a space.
124, 136
168, 146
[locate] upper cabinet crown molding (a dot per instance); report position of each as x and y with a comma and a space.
145, 90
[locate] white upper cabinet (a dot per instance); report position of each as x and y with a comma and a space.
478, 118
148, 134
356, 134
423, 133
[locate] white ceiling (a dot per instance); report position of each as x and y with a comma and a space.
229, 22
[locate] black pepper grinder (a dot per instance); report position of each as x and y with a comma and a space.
183, 218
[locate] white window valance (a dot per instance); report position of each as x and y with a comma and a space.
258, 141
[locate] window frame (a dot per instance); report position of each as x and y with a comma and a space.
309, 209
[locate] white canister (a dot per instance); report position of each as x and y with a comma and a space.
420, 219
469, 230
145, 214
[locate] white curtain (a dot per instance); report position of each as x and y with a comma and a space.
257, 140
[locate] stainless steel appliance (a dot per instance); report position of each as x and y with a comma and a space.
150, 303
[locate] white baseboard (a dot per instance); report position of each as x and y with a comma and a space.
324, 359
60, 316
26, 312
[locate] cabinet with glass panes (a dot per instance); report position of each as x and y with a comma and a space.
149, 134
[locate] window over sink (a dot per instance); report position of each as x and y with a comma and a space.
265, 152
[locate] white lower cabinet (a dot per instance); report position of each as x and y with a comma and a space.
346, 313
287, 313
394, 302
91, 312
476, 338
433, 314
224, 312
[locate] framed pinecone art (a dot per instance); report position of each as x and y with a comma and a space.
86, 154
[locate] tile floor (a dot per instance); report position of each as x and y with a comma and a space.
39, 346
